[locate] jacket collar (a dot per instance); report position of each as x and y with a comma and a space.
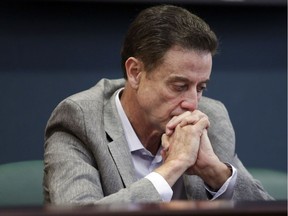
118, 145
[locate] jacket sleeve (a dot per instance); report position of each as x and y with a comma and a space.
72, 174
222, 137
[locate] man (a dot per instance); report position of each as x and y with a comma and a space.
151, 137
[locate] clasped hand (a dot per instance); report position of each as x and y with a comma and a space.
186, 141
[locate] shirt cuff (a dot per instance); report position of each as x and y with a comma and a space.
161, 186
227, 189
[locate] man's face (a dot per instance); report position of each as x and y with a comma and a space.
175, 86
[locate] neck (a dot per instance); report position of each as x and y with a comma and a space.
148, 136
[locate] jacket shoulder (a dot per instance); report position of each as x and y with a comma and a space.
103, 90
210, 106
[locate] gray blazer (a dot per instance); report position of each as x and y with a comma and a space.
87, 159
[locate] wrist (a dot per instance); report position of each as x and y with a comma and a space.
216, 176
171, 171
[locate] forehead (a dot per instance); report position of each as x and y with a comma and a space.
185, 62
178, 54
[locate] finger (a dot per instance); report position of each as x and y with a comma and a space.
205, 142
171, 125
163, 154
184, 119
191, 120
164, 142
205, 133
169, 131
203, 124
177, 119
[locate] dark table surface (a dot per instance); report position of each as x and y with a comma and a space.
178, 208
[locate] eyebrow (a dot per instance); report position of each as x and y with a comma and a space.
177, 78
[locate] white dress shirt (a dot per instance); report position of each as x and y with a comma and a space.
145, 162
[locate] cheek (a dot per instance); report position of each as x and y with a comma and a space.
159, 104
168, 105
159, 101
165, 98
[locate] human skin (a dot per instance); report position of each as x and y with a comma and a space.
162, 107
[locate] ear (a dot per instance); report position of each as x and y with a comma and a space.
134, 67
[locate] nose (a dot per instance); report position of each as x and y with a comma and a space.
190, 102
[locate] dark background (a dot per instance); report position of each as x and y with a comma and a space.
52, 49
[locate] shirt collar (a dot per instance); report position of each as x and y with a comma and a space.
131, 137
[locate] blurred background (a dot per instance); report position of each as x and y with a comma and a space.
52, 49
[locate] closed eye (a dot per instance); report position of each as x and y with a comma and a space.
180, 87
201, 88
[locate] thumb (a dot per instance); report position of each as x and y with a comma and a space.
205, 141
164, 142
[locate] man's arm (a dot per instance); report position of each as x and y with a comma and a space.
222, 137
181, 150
74, 174
189, 140
209, 166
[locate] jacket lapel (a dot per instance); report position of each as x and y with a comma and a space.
194, 187
118, 146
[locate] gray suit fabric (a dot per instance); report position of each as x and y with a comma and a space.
87, 159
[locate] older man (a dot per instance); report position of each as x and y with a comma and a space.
150, 137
